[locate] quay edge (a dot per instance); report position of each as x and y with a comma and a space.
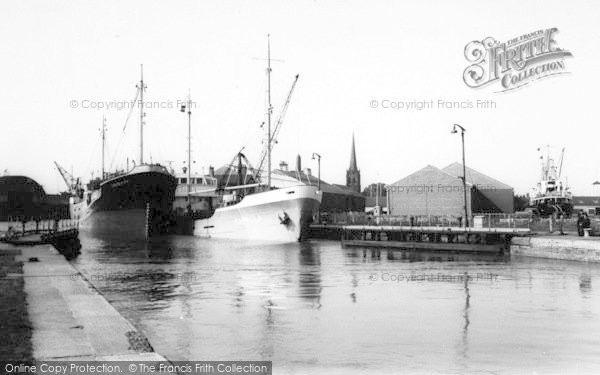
569, 247
71, 319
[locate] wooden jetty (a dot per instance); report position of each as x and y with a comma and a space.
430, 238
63, 235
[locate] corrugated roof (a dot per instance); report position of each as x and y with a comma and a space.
20, 183
476, 178
427, 175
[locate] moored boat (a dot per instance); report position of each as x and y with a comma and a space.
280, 215
552, 194
137, 202
253, 210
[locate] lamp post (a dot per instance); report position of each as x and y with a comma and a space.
318, 157
464, 177
318, 168
189, 113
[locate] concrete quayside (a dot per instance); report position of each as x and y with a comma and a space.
516, 241
568, 247
71, 320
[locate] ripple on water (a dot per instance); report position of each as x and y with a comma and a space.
314, 306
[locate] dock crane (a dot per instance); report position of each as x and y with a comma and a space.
272, 138
70, 181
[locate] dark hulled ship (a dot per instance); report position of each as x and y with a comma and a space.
136, 203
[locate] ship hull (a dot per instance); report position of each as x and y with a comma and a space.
137, 203
280, 215
121, 223
549, 206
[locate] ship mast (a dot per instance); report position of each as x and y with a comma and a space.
269, 110
141, 87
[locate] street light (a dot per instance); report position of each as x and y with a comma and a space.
318, 168
318, 182
464, 177
189, 113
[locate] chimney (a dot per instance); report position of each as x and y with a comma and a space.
298, 163
308, 172
283, 165
211, 171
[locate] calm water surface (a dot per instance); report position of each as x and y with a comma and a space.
314, 307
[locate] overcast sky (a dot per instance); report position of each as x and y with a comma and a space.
347, 53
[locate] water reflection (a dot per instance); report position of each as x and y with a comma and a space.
354, 278
309, 281
466, 316
128, 266
585, 283
297, 305
413, 256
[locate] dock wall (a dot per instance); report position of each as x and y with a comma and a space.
557, 247
71, 319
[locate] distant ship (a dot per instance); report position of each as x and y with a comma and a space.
251, 210
551, 195
137, 202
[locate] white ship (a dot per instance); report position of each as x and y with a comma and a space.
252, 210
280, 215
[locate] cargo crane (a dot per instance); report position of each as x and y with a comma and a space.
72, 184
272, 137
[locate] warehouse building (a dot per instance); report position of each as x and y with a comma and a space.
23, 198
496, 196
436, 192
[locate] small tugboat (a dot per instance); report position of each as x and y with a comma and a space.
551, 195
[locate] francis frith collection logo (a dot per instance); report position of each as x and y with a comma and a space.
514, 63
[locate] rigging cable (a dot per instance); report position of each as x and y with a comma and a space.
124, 127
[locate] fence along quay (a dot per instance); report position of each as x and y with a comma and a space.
491, 234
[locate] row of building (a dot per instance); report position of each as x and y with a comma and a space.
430, 191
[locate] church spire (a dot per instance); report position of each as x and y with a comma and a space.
353, 166
353, 174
